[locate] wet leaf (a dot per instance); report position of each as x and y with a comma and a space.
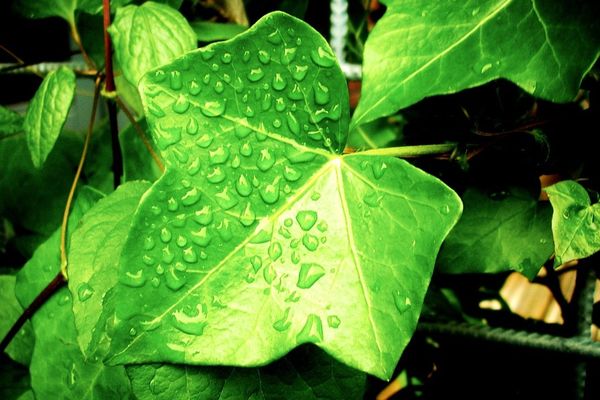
304, 374
47, 113
21, 346
499, 231
418, 50
147, 36
575, 222
260, 222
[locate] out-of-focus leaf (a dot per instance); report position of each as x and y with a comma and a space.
207, 31
21, 346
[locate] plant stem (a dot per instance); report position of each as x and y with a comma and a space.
53, 286
140, 132
112, 107
77, 40
410, 151
65, 221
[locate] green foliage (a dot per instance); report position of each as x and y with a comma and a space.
47, 113
574, 222
147, 36
207, 31
442, 47
10, 122
20, 348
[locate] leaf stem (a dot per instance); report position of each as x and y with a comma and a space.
108, 64
65, 220
53, 286
411, 151
140, 132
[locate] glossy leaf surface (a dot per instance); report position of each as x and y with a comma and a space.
147, 36
575, 222
421, 49
21, 346
48, 112
11, 122
499, 231
304, 374
260, 236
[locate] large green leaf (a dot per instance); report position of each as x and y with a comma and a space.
11, 122
20, 347
260, 236
58, 368
94, 255
420, 49
47, 113
500, 230
303, 374
147, 36
137, 161
62, 8
574, 222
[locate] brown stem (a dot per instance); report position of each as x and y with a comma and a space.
108, 65
35, 305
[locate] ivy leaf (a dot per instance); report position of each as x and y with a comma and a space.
499, 231
47, 113
208, 31
11, 122
147, 36
20, 347
58, 368
260, 236
574, 222
418, 50
94, 254
304, 374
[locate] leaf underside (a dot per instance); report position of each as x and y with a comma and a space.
260, 237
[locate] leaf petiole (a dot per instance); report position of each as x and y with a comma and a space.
411, 151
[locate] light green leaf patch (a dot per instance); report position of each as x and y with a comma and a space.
147, 36
208, 31
21, 346
260, 237
575, 222
499, 231
47, 113
419, 49
304, 374
11, 122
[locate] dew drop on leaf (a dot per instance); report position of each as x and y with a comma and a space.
217, 175
322, 57
248, 216
299, 72
201, 237
270, 192
205, 140
264, 56
255, 74
181, 105
289, 54
321, 93
269, 274
191, 197
175, 81
174, 279
401, 302
165, 235
191, 322
189, 255
310, 242
243, 186
292, 123
283, 323
378, 168
194, 88
306, 219
214, 108
218, 156
312, 330
275, 251
256, 263
309, 274
203, 216
279, 82
266, 160
333, 321
226, 58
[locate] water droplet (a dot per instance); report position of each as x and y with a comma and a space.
269, 274
165, 235
315, 196
279, 104
182, 104
373, 199
246, 56
191, 197
275, 251
285, 232
175, 81
160, 269
194, 88
218, 156
333, 114
205, 140
445, 209
279, 82
299, 72
219, 87
322, 57
194, 167
214, 108
312, 330
148, 260
298, 155
181, 241
201, 237
159, 76
289, 54
378, 168
191, 322
475, 11
292, 123
242, 128
155, 210
486, 68
224, 230
294, 243
333, 321
149, 243
274, 37
226, 58
288, 222
133, 279
566, 214
264, 57
174, 279
189, 255
322, 226
270, 192
167, 255
266, 160
192, 126
167, 136
84, 292
203, 216
295, 257
321, 93
217, 175
296, 93
256, 263
283, 323
246, 149
306, 219
172, 204
207, 53
309, 275
249, 111
214, 67
132, 332
248, 216
277, 123
225, 199
255, 74
311, 242
243, 186
266, 102
402, 303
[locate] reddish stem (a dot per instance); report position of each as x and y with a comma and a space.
108, 66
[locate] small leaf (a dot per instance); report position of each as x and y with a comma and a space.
147, 36
422, 49
47, 113
259, 221
575, 222
304, 374
11, 122
208, 31
21, 346
499, 231
47, 8
94, 254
